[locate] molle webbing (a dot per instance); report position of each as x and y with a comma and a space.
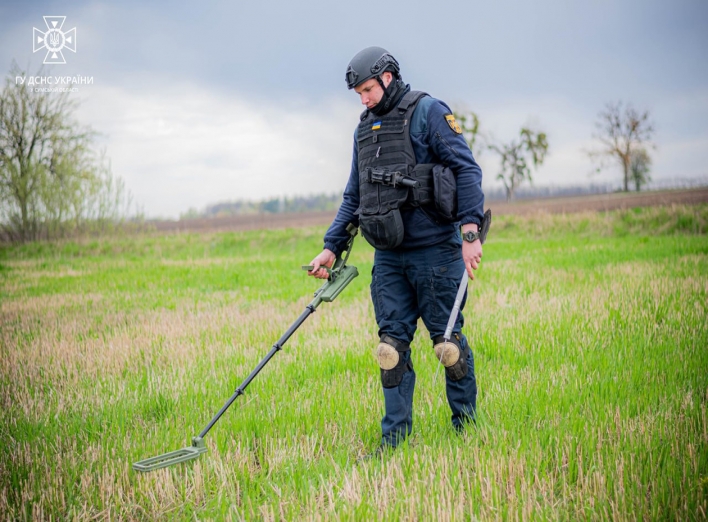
384, 141
387, 144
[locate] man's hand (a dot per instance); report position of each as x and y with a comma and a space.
471, 252
324, 258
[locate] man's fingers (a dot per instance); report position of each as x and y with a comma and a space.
315, 267
319, 271
321, 263
468, 266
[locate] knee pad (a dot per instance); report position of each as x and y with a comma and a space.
452, 356
393, 359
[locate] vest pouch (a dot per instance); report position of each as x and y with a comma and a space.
382, 231
445, 193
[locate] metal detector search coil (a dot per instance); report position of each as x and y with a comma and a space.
173, 457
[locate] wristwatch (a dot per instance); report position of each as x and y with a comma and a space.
470, 236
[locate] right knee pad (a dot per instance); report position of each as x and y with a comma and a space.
452, 356
394, 361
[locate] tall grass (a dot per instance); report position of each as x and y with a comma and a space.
590, 341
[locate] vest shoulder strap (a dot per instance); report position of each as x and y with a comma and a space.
411, 99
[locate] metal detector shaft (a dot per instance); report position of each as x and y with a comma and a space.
339, 277
198, 446
276, 347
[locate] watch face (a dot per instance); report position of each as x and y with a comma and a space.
471, 237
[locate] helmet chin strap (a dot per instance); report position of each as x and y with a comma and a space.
389, 95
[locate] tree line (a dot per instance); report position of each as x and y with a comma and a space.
311, 203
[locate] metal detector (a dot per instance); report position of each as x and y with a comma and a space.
340, 275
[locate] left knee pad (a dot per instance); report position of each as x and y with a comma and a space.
452, 356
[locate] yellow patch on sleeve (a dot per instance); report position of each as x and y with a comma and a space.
450, 118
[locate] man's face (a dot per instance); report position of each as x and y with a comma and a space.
371, 92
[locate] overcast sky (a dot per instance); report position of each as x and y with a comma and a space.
202, 102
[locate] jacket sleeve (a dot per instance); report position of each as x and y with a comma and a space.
454, 152
336, 237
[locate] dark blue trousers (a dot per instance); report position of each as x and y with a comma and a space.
411, 284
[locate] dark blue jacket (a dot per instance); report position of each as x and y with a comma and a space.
434, 141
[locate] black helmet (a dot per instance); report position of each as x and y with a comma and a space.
369, 63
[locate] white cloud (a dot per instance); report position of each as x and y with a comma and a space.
185, 146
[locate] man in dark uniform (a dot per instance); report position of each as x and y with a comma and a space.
408, 153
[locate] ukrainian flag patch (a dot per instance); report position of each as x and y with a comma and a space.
376, 125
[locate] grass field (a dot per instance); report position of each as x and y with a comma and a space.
591, 345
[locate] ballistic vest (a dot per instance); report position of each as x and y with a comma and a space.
385, 149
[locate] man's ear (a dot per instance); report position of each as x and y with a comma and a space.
387, 78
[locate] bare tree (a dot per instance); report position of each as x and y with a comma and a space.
622, 130
50, 179
532, 147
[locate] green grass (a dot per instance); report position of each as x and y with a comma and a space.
590, 342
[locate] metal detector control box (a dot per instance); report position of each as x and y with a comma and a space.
331, 289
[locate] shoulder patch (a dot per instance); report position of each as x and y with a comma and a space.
450, 119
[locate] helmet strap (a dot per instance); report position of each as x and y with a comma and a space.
390, 95
379, 79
